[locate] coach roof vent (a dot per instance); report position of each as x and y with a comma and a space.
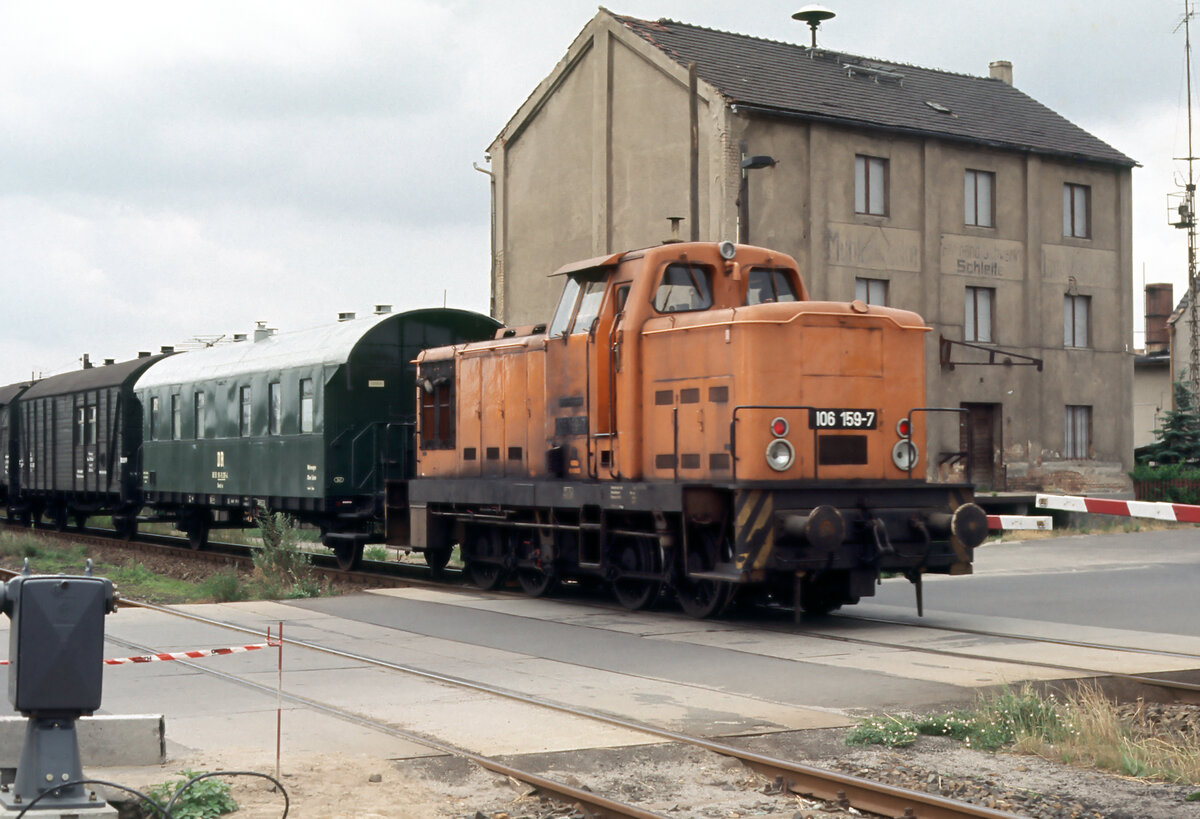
144, 354
108, 362
166, 349
345, 317
262, 331
383, 309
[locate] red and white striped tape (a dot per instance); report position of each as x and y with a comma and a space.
1131, 509
179, 655
1011, 522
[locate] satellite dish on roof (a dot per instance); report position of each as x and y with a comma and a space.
813, 15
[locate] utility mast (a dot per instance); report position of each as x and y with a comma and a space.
1183, 205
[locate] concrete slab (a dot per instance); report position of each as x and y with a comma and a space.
104, 739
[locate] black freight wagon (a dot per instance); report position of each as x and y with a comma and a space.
316, 423
9, 424
78, 443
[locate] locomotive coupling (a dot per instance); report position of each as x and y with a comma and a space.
968, 523
823, 528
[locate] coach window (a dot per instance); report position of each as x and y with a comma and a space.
80, 426
684, 287
176, 417
198, 415
91, 427
306, 405
275, 398
154, 418
768, 285
244, 413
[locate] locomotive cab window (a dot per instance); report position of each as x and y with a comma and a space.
589, 306
436, 385
765, 285
684, 287
588, 293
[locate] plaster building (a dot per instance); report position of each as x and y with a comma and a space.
1152, 392
1006, 226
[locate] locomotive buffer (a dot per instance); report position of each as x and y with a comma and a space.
56, 650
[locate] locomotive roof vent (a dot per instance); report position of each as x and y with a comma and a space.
383, 309
345, 317
239, 337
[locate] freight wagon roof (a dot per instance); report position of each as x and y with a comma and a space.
8, 393
93, 378
326, 345
793, 80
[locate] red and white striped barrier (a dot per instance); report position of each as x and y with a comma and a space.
1130, 509
1011, 522
179, 655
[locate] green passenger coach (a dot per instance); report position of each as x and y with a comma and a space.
315, 423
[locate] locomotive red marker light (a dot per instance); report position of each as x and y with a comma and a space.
779, 427
903, 429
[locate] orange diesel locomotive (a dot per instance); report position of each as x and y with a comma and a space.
689, 421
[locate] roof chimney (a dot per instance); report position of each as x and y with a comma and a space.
383, 309
1001, 70
1159, 304
262, 331
87, 361
345, 317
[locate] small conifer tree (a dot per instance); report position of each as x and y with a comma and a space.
1179, 438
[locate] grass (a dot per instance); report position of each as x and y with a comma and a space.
1084, 728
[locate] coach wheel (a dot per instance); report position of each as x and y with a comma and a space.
636, 555
59, 518
348, 552
81, 520
437, 558
125, 526
485, 565
197, 532
24, 517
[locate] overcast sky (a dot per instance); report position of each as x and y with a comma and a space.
171, 171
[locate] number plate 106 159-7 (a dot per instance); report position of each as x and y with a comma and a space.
842, 419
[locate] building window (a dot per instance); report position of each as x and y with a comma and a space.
977, 322
154, 418
1077, 211
198, 415
244, 413
275, 396
1077, 439
871, 291
176, 418
979, 198
1076, 310
306, 405
870, 185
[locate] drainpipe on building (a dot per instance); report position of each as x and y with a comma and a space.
494, 273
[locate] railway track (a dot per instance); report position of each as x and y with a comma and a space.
396, 574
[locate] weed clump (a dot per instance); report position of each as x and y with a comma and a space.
281, 569
206, 799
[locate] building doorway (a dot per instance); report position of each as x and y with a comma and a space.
980, 439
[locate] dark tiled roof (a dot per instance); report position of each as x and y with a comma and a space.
795, 80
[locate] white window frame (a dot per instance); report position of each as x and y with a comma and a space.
1077, 432
973, 329
871, 291
1077, 211
979, 198
870, 185
1077, 313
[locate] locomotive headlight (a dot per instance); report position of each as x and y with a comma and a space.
780, 454
728, 250
905, 455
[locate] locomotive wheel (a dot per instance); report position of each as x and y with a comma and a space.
535, 580
635, 555
703, 598
485, 566
436, 559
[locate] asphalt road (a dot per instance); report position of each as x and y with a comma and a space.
1147, 581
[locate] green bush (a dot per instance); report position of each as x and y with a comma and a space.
376, 553
224, 587
206, 799
283, 570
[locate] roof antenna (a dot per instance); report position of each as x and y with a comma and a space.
813, 15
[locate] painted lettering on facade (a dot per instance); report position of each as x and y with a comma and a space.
873, 248
973, 256
1087, 266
